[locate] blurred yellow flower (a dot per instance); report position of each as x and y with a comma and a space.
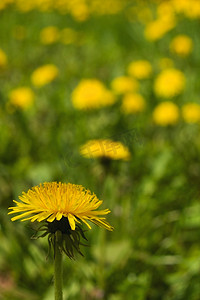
166, 113
144, 14
190, 8
3, 59
191, 112
68, 36
156, 29
22, 97
25, 6
133, 103
105, 149
108, 7
44, 5
194, 10
140, 69
165, 10
91, 94
170, 82
3, 4
79, 10
181, 45
49, 35
44, 75
124, 84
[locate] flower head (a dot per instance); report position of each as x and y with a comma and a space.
52, 201
91, 94
49, 35
166, 113
181, 45
190, 8
124, 84
3, 59
169, 83
62, 206
21, 97
191, 112
44, 75
156, 29
133, 103
105, 149
140, 69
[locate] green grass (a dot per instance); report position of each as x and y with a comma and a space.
154, 251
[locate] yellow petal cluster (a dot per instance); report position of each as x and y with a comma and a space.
169, 83
165, 21
124, 84
21, 97
49, 35
51, 201
181, 45
44, 75
105, 148
79, 9
140, 69
191, 112
166, 113
91, 94
3, 59
133, 103
190, 8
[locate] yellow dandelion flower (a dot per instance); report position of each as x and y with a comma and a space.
156, 29
169, 83
140, 69
3, 4
44, 5
181, 45
24, 5
80, 12
44, 75
105, 149
191, 112
133, 103
165, 10
166, 113
91, 94
3, 59
52, 201
49, 35
190, 8
124, 84
194, 9
21, 97
108, 7
181, 6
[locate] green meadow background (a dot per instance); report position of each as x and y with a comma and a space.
153, 252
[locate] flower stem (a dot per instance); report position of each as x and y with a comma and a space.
58, 268
102, 259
